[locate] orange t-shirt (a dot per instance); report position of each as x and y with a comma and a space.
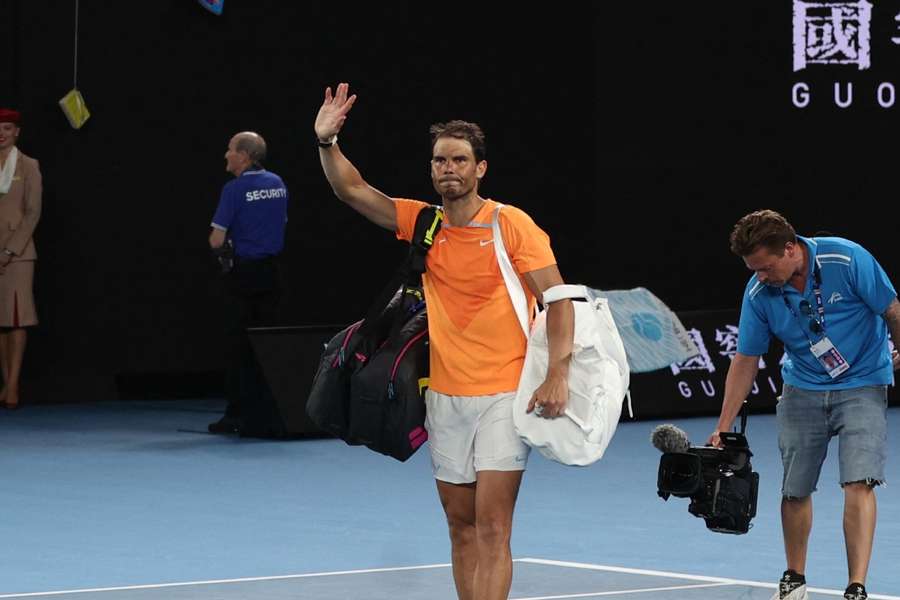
477, 344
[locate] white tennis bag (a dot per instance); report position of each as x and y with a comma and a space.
598, 372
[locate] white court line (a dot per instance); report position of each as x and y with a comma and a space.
622, 592
153, 586
539, 561
722, 580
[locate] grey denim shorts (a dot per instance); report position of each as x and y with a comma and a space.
808, 419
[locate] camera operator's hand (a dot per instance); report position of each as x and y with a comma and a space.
714, 440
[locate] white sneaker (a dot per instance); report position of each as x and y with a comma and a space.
791, 587
799, 593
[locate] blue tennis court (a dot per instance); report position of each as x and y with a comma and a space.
131, 500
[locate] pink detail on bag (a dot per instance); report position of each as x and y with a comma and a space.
402, 352
350, 332
417, 437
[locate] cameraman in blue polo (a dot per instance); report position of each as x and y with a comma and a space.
832, 305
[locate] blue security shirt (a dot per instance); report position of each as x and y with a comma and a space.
855, 293
253, 210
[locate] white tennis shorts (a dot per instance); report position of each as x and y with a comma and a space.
467, 434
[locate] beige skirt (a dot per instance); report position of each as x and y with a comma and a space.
16, 295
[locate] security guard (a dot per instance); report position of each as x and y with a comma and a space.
247, 235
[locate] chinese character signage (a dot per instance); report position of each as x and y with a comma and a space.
832, 33
697, 385
843, 38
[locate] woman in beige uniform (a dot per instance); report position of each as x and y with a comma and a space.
20, 209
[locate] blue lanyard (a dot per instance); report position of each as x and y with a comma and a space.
819, 321
817, 290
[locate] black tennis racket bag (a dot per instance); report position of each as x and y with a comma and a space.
370, 386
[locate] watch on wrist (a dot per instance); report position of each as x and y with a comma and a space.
327, 143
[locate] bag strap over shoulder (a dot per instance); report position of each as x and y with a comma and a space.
510, 276
428, 224
514, 284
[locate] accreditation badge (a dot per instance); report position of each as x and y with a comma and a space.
829, 357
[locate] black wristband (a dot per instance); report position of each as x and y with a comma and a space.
327, 143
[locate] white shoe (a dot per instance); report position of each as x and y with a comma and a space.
797, 594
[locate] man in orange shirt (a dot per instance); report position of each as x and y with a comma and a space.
477, 344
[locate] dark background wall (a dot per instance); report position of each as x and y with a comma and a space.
635, 133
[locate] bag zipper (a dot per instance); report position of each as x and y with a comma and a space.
339, 359
400, 356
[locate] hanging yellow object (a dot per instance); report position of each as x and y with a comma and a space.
73, 106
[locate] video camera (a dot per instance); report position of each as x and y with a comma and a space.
720, 482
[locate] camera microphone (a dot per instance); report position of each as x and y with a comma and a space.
668, 438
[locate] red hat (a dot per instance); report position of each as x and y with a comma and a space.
7, 115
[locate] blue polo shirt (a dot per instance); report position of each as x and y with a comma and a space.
253, 210
855, 293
